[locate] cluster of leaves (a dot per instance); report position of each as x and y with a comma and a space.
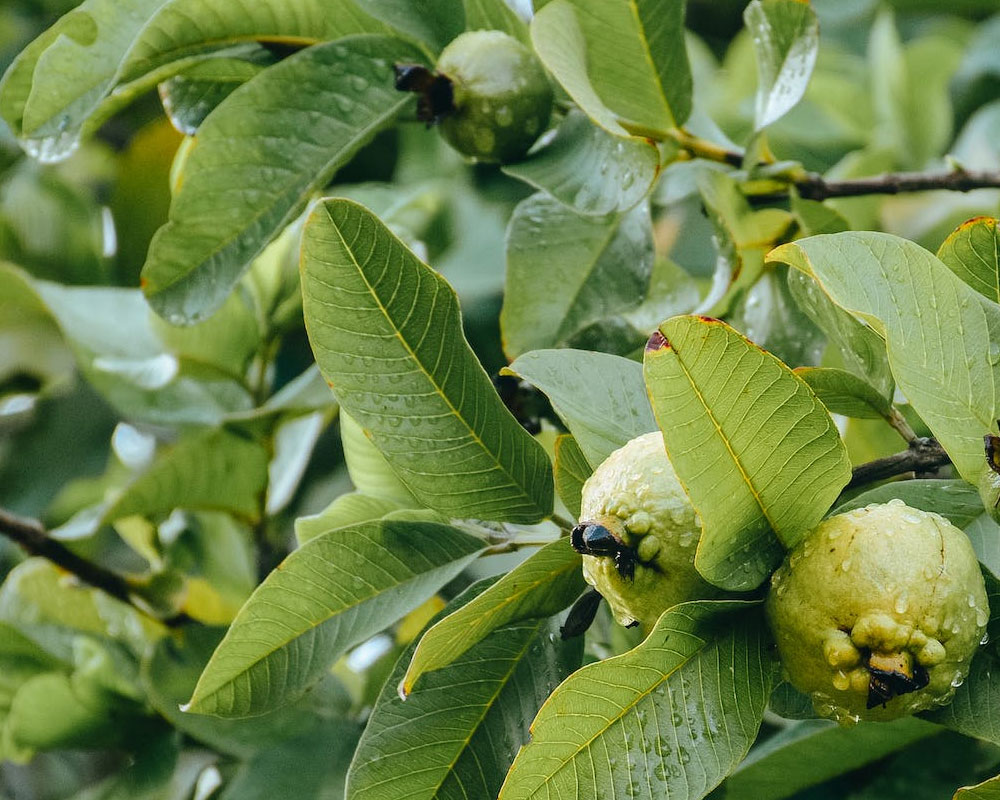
171, 425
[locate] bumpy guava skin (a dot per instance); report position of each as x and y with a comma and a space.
636, 495
501, 95
887, 591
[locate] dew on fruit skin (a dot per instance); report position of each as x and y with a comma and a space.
841, 681
845, 564
982, 616
901, 604
957, 681
986, 638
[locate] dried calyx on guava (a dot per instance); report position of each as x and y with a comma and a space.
490, 95
878, 612
638, 534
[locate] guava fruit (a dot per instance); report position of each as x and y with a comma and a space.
878, 612
501, 96
638, 533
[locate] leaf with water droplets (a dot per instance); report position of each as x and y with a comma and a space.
670, 718
938, 330
466, 720
786, 41
331, 594
257, 159
756, 451
387, 335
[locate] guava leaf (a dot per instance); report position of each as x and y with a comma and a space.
599, 396
515, 668
844, 393
987, 790
972, 251
370, 472
624, 63
786, 42
495, 15
571, 472
542, 585
433, 23
956, 501
969, 711
942, 337
756, 451
348, 509
257, 159
566, 271
332, 593
670, 718
590, 170
387, 335
813, 751
213, 470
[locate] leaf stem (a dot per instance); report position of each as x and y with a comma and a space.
901, 426
566, 524
31, 535
923, 455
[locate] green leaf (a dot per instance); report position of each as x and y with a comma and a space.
169, 673
624, 63
370, 473
572, 471
956, 501
600, 397
540, 586
987, 790
280, 137
786, 41
387, 335
590, 170
984, 533
566, 271
117, 346
972, 251
332, 593
844, 393
514, 669
861, 350
942, 337
348, 509
431, 22
813, 751
756, 485
215, 470
670, 718
979, 691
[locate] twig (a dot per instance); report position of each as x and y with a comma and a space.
901, 426
31, 535
815, 187
923, 455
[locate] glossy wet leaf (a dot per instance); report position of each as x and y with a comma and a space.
332, 593
980, 691
972, 252
466, 732
758, 486
624, 62
566, 271
955, 500
542, 585
845, 393
590, 170
942, 337
495, 15
281, 136
670, 718
987, 790
786, 41
433, 23
386, 332
571, 472
600, 397
814, 751
370, 472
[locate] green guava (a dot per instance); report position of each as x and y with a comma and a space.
501, 94
878, 612
637, 496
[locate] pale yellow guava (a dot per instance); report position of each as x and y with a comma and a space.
635, 493
886, 587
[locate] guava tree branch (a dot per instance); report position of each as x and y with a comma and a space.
31, 535
923, 455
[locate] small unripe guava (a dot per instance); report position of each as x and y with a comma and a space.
501, 94
637, 496
878, 612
